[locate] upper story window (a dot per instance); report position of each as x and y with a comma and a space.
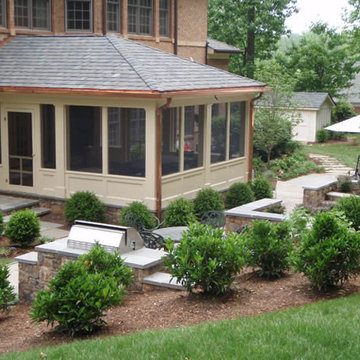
164, 26
114, 15
2, 13
79, 15
140, 17
32, 14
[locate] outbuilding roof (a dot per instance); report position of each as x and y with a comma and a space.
221, 47
108, 63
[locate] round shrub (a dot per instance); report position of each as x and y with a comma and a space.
344, 183
329, 253
84, 205
141, 211
180, 213
204, 259
322, 136
350, 206
207, 200
23, 228
267, 246
261, 188
81, 291
239, 194
7, 297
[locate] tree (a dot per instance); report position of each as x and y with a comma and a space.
277, 117
252, 25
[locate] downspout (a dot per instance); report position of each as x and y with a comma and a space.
158, 156
251, 134
104, 18
176, 32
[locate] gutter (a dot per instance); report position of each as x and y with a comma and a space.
158, 156
251, 135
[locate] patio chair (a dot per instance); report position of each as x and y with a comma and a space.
215, 219
135, 221
152, 240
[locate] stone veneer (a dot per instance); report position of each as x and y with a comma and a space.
314, 196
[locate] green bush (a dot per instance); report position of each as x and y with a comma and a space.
180, 213
344, 183
350, 206
261, 188
7, 297
300, 220
84, 205
1, 223
329, 253
81, 291
205, 260
322, 136
207, 200
23, 228
239, 194
267, 246
141, 211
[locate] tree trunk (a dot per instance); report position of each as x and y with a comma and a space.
250, 49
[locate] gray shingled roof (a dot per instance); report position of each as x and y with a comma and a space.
105, 63
311, 100
221, 47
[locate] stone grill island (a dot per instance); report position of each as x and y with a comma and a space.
37, 268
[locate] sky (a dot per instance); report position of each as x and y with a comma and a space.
328, 11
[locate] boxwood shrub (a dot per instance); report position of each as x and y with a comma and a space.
208, 200
140, 210
7, 297
261, 188
350, 206
180, 213
239, 194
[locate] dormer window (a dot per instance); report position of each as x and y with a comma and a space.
79, 15
140, 17
2, 13
114, 15
32, 14
164, 18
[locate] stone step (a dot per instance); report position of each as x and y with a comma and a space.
162, 280
40, 211
10, 204
334, 195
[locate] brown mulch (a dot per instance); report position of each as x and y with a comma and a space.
169, 308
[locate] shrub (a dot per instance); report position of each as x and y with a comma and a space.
23, 228
207, 200
299, 220
350, 206
7, 297
81, 291
344, 183
84, 205
322, 136
205, 260
329, 252
1, 223
141, 211
267, 246
180, 213
239, 194
261, 188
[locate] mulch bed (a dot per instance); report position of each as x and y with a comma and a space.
161, 309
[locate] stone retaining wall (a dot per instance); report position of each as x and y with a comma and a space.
314, 196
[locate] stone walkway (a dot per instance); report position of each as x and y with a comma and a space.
332, 165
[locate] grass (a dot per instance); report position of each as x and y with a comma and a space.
325, 330
5, 261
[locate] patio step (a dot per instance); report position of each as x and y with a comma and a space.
334, 195
40, 211
161, 279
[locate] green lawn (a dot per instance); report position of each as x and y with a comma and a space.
346, 154
325, 330
4, 261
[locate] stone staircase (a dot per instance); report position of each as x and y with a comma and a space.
332, 165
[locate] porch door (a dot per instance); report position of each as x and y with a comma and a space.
20, 148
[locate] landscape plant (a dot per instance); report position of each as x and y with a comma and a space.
80, 293
322, 136
140, 211
84, 205
1, 223
205, 259
350, 206
23, 228
261, 188
239, 194
329, 253
7, 296
267, 247
180, 213
208, 200
300, 221
344, 183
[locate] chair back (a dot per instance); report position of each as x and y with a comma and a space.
215, 219
152, 240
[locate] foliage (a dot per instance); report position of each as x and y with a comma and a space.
180, 213
322, 136
81, 291
140, 210
344, 183
342, 111
84, 205
329, 252
267, 246
258, 165
1, 223
207, 200
261, 188
23, 228
299, 220
239, 194
7, 297
276, 209
205, 259
254, 26
4, 251
350, 206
